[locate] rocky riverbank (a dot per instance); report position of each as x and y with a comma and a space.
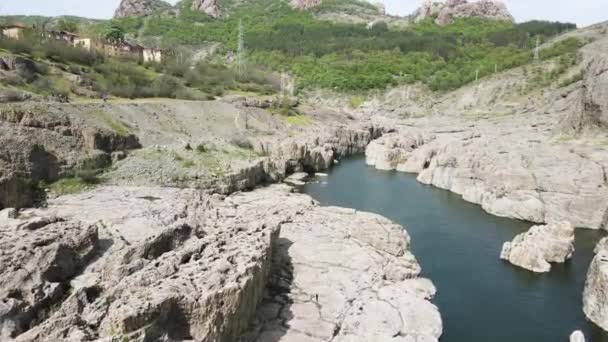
160, 263
513, 166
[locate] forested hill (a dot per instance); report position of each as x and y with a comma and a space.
347, 56
352, 56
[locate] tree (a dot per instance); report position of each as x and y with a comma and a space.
115, 34
67, 25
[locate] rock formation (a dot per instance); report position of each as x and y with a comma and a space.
453, 9
210, 7
171, 264
304, 4
507, 165
595, 301
392, 151
37, 146
590, 97
138, 8
340, 275
577, 336
539, 246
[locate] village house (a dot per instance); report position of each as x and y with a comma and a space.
13, 31
153, 55
122, 49
65, 36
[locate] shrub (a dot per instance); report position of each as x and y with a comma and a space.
201, 148
166, 86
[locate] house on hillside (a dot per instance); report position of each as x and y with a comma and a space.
13, 31
65, 36
90, 44
124, 49
152, 55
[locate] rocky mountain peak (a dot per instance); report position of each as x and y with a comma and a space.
138, 8
445, 13
210, 7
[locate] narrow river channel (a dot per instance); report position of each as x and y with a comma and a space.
480, 297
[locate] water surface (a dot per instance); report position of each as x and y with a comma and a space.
480, 297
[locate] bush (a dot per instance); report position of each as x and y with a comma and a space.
201, 148
123, 79
63, 53
166, 86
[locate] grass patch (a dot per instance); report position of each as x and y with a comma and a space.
118, 127
356, 101
188, 164
299, 120
70, 185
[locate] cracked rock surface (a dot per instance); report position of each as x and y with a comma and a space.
164, 264
340, 275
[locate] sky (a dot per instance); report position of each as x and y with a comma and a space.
581, 12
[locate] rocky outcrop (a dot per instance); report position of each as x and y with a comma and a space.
509, 166
210, 7
304, 4
340, 275
595, 301
139, 8
23, 67
577, 336
170, 264
39, 257
392, 151
37, 146
535, 249
452, 9
588, 100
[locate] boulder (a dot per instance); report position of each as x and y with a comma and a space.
139, 8
577, 336
595, 301
539, 246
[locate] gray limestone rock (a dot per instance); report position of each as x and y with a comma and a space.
535, 249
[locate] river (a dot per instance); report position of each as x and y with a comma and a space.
481, 298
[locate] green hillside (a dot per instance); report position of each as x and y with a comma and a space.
320, 54
350, 56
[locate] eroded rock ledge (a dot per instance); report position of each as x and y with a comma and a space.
171, 264
510, 166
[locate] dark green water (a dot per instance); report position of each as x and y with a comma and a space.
481, 298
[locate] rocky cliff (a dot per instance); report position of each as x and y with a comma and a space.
134, 8
595, 301
209, 7
445, 13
